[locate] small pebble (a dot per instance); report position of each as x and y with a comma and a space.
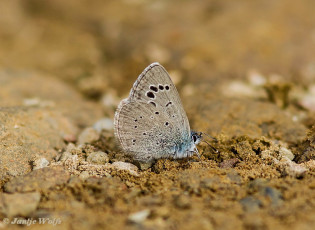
294, 170
132, 169
139, 217
239, 89
98, 158
255, 78
284, 152
110, 99
40, 163
88, 135
70, 137
103, 124
307, 100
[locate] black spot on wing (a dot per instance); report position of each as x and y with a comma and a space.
153, 88
152, 103
168, 104
150, 95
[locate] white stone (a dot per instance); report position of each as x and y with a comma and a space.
40, 163
139, 217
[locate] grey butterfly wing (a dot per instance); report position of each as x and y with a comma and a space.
152, 122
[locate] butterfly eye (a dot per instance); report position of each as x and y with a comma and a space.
194, 138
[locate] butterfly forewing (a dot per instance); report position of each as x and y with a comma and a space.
155, 86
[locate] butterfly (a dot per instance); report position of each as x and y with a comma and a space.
152, 123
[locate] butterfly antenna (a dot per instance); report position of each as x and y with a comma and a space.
213, 148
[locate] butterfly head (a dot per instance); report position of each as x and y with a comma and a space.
196, 137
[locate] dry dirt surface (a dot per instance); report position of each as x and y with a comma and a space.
245, 71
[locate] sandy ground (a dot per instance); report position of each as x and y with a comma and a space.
245, 71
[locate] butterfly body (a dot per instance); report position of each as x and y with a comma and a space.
151, 123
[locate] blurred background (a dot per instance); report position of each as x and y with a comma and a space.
110, 42
100, 47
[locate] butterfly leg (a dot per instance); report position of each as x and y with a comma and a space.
197, 152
